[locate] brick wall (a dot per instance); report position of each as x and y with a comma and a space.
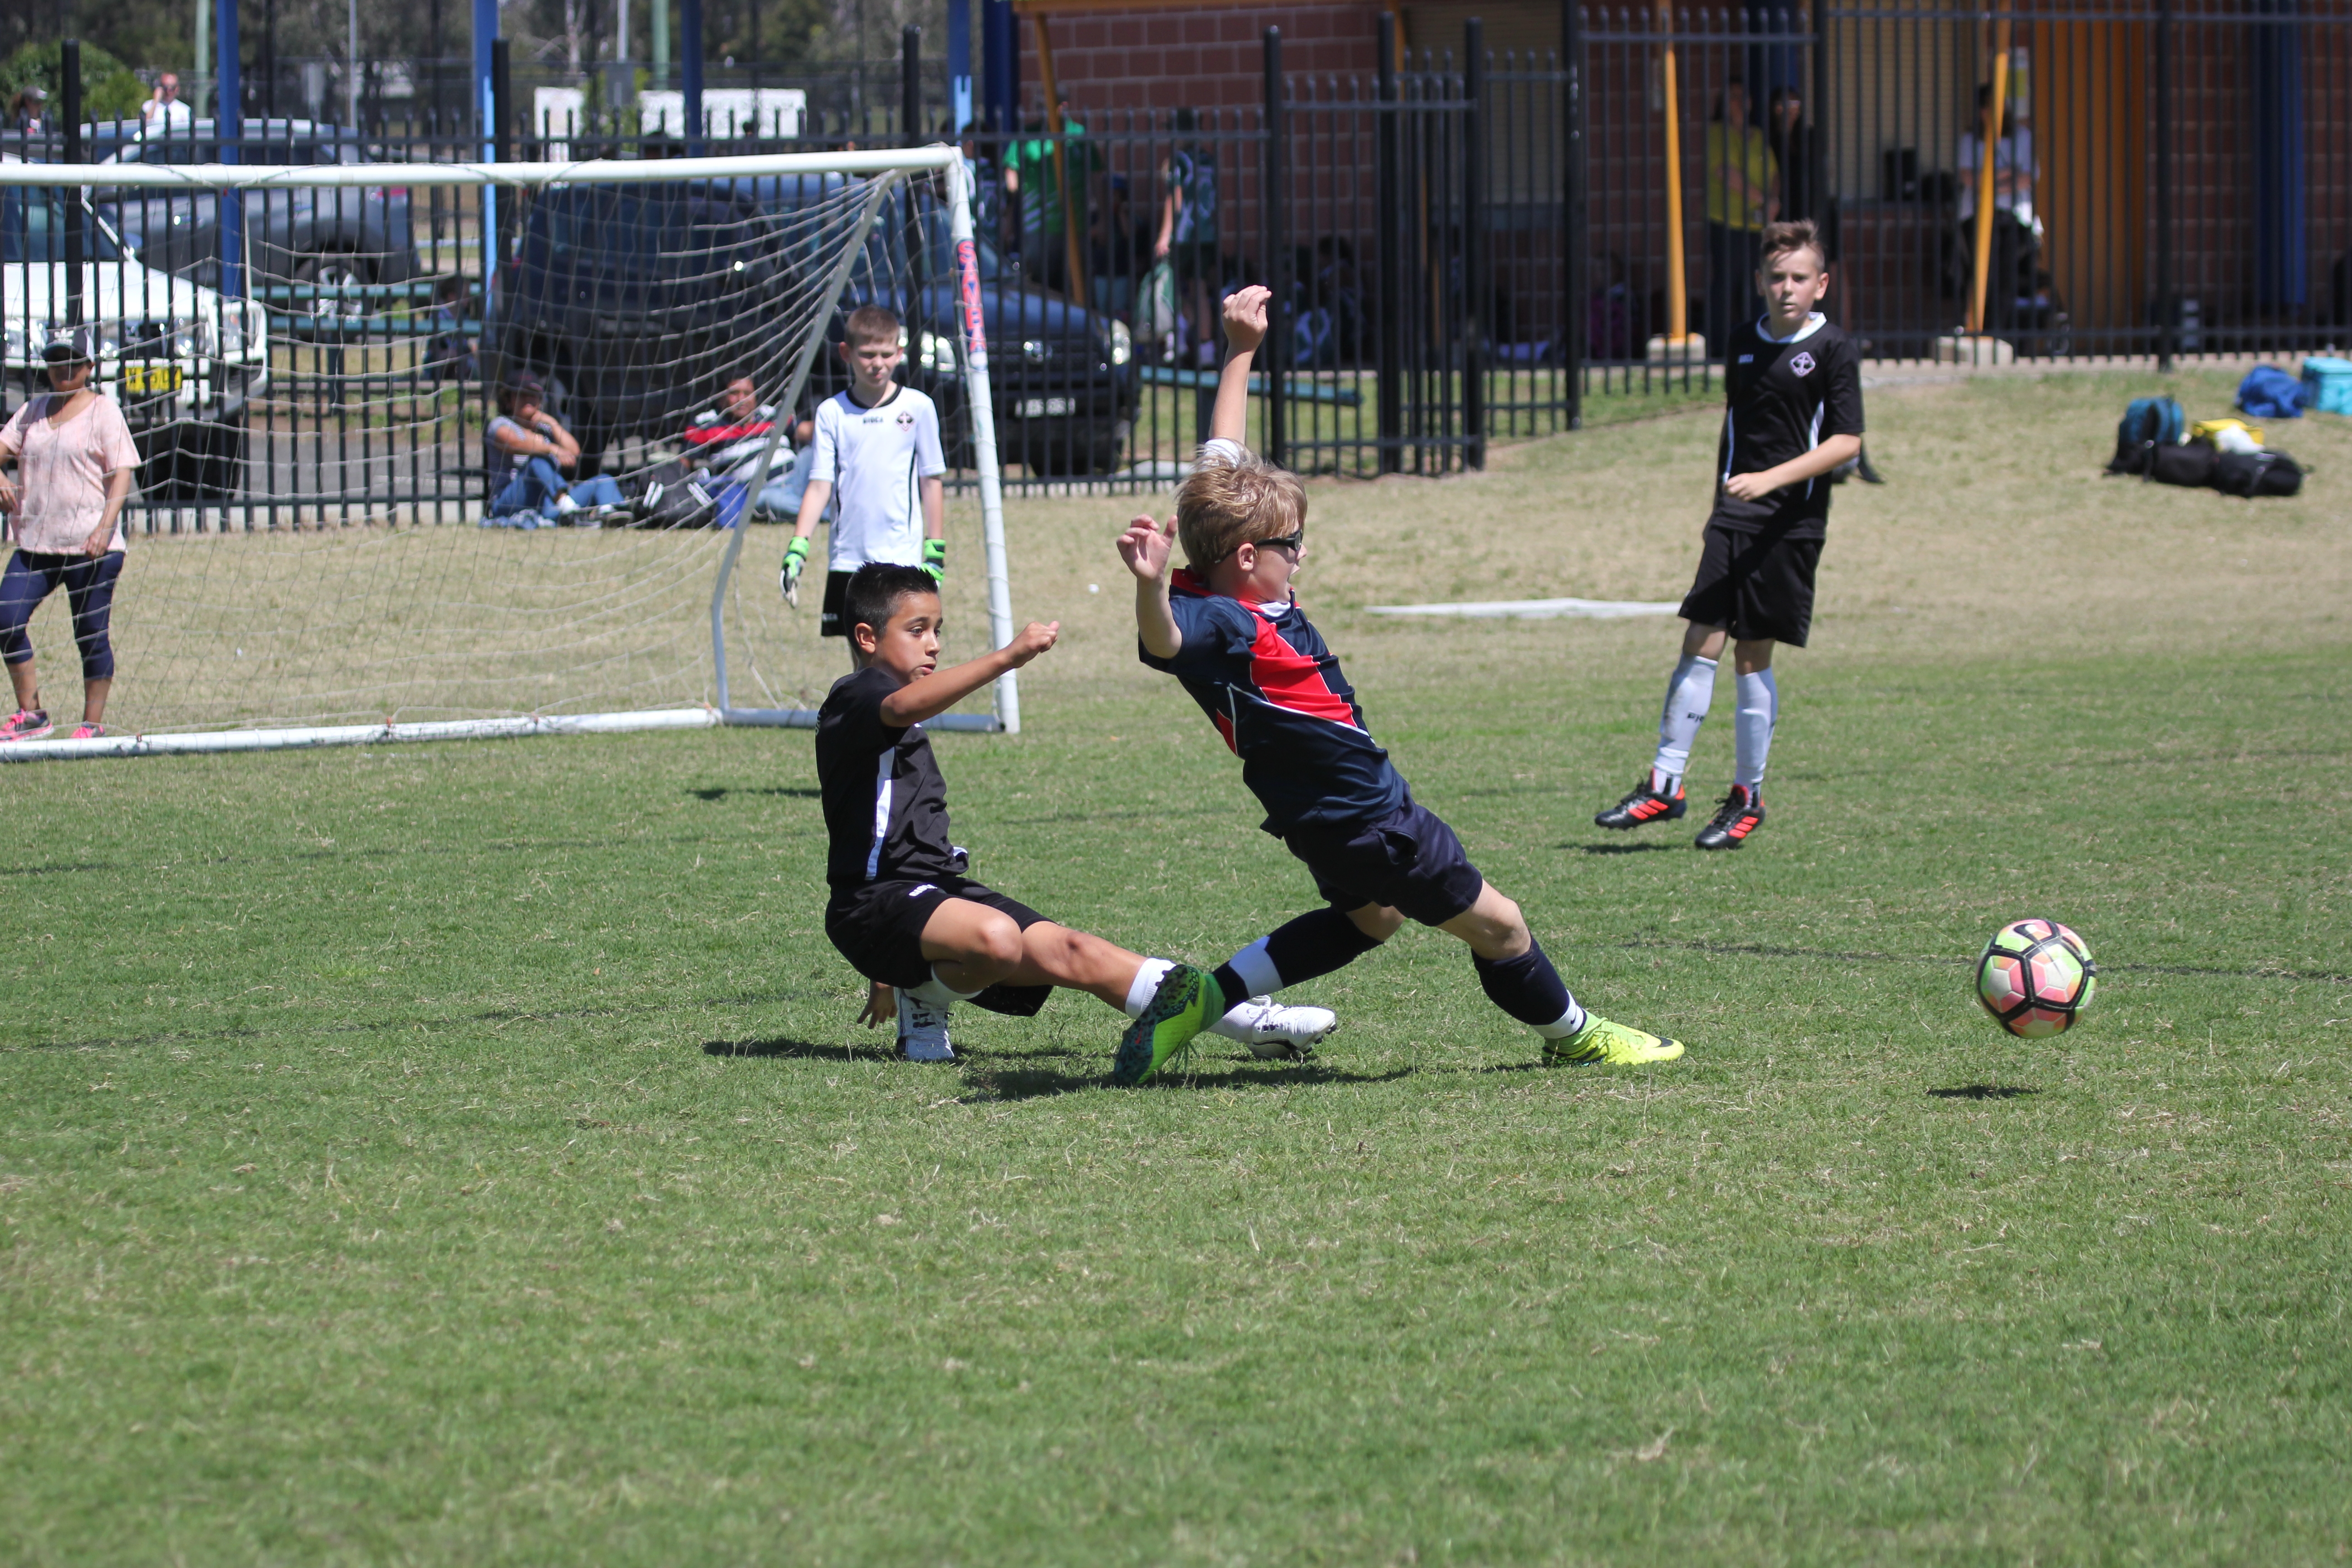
1200, 60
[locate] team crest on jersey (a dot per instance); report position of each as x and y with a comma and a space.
907, 417
1802, 365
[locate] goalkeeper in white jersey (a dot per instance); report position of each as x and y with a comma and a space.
877, 445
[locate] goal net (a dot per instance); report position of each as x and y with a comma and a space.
332, 535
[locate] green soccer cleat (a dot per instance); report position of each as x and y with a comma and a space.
1602, 1041
1187, 1002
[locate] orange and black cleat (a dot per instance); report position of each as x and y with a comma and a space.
1643, 804
1737, 816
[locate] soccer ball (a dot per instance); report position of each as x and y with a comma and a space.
2035, 978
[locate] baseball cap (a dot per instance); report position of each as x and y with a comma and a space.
76, 347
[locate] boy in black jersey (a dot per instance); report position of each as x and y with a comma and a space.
903, 913
1231, 630
1792, 390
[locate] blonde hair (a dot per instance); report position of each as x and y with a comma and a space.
1231, 501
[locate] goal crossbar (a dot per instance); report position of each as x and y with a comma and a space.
590, 171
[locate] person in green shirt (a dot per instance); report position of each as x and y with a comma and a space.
1742, 185
1030, 178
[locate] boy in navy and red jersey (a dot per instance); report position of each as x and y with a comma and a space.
1792, 390
1230, 629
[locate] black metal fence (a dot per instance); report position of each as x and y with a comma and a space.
1463, 247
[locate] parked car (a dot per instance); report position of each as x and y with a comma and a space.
613, 300
181, 361
328, 240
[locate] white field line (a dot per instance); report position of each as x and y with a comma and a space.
1539, 609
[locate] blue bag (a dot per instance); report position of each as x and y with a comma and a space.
2269, 393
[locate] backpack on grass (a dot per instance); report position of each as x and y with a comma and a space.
2251, 474
2186, 463
2148, 423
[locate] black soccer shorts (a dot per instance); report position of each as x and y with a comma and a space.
879, 929
1409, 860
837, 595
1756, 584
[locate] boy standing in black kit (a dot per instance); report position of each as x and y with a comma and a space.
1792, 387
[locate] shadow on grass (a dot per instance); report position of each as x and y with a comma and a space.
1982, 1091
990, 1084
798, 1051
1620, 849
795, 791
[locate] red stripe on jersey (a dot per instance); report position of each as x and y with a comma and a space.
1225, 727
1292, 679
711, 435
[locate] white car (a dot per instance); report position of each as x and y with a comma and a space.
170, 351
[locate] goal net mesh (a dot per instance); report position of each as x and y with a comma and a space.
323, 529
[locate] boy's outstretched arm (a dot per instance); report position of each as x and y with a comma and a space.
1244, 329
936, 693
1145, 547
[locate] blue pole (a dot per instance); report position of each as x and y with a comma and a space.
229, 124
486, 126
486, 33
959, 63
689, 50
1000, 63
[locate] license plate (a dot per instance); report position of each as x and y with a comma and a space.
1044, 407
151, 378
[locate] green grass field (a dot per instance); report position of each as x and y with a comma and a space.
465, 1154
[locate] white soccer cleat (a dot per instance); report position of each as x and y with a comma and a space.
1274, 1031
923, 1030
565, 506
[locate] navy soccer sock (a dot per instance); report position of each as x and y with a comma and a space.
1315, 943
1530, 990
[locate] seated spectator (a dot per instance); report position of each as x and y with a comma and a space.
727, 440
28, 110
2012, 287
539, 449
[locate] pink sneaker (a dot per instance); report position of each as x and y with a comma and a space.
26, 724
88, 731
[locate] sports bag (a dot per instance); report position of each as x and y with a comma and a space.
2188, 463
2251, 474
683, 503
2150, 422
2269, 393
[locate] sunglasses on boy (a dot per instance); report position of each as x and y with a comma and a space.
1292, 542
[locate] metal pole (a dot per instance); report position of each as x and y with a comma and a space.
77, 237
959, 66
1571, 64
228, 120
197, 98
1475, 281
352, 65
1677, 270
2167, 319
689, 50
1389, 364
911, 86
982, 409
1989, 144
268, 59
1278, 248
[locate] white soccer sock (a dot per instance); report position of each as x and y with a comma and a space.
1567, 1024
940, 994
1687, 697
1258, 971
1145, 986
1759, 709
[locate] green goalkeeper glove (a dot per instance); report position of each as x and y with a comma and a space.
935, 559
789, 580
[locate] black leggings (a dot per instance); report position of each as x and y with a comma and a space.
89, 584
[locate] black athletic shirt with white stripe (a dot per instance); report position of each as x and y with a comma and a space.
1783, 397
886, 805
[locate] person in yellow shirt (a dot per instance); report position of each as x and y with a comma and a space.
1742, 185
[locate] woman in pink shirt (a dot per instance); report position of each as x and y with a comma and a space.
74, 461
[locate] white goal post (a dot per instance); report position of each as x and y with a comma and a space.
438, 621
